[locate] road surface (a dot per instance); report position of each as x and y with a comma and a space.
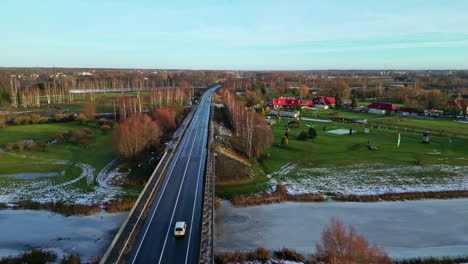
179, 199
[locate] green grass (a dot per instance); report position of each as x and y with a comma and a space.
450, 126
328, 149
98, 153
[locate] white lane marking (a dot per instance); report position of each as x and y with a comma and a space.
177, 201
197, 115
164, 188
195, 200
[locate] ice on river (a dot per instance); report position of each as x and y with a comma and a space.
87, 236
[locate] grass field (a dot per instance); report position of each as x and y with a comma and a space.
73, 161
347, 155
343, 164
420, 123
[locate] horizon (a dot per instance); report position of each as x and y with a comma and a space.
226, 35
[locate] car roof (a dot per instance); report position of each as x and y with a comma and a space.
179, 224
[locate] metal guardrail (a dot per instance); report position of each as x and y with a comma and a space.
207, 231
121, 245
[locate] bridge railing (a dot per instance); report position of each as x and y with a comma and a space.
207, 231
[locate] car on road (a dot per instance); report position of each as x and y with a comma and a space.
179, 229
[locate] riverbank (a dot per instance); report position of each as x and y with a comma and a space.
86, 236
410, 229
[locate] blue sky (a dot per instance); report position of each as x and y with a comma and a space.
235, 34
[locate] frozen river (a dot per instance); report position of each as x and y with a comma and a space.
87, 236
404, 229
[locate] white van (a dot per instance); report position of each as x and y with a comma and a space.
179, 229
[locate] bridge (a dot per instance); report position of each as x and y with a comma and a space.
176, 191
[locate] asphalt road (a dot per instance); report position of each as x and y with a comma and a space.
179, 199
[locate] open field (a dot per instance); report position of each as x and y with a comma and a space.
450, 127
343, 164
76, 167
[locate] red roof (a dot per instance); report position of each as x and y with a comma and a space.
460, 104
324, 100
382, 106
285, 102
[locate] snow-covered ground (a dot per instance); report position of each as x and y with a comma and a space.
371, 179
47, 189
87, 236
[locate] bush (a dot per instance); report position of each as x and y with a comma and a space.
228, 257
21, 145
18, 120
10, 146
75, 135
303, 135
43, 146
43, 120
105, 129
32, 146
260, 254
83, 142
118, 206
87, 131
83, 119
58, 117
101, 121
72, 259
312, 133
26, 120
35, 118
284, 140
3, 121
35, 256
289, 254
57, 137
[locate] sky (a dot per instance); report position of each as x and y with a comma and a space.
235, 34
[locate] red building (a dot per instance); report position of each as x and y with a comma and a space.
382, 106
290, 102
321, 100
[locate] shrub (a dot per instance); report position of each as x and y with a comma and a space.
312, 133
21, 145
341, 244
32, 146
83, 119
284, 140
83, 142
35, 118
58, 117
18, 120
118, 206
43, 120
101, 121
289, 254
71, 259
3, 120
10, 146
303, 135
260, 254
57, 137
105, 129
76, 135
34, 256
228, 257
26, 120
87, 131
43, 146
